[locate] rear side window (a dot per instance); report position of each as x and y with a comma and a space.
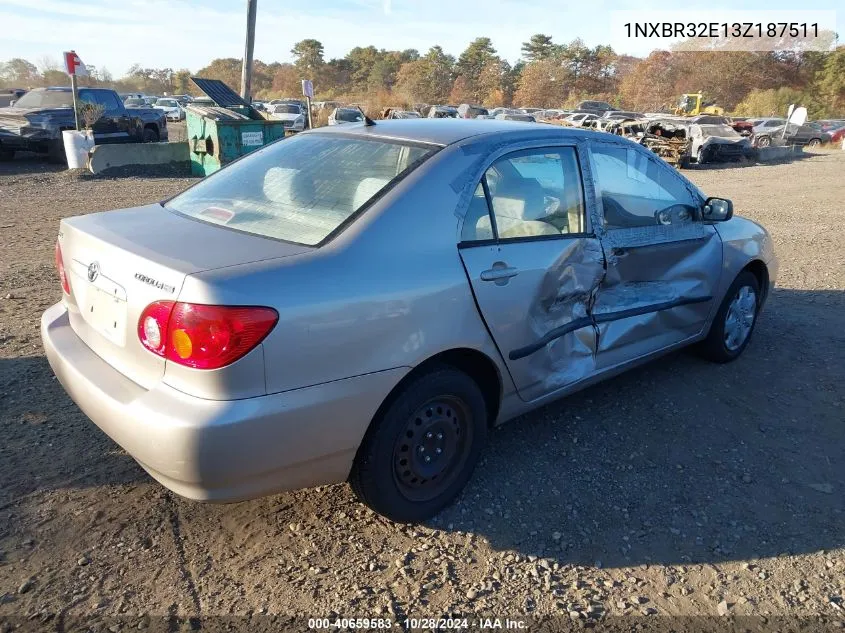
532, 193
300, 189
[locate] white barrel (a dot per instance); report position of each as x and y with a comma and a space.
77, 146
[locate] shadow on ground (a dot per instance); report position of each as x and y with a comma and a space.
678, 462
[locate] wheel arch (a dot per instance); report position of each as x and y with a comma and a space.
758, 268
477, 365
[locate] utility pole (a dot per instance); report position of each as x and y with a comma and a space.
246, 69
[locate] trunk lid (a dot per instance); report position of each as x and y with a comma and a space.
118, 262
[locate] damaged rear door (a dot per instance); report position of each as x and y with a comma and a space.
663, 261
534, 265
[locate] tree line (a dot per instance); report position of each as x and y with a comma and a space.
548, 75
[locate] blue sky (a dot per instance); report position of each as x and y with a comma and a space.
188, 33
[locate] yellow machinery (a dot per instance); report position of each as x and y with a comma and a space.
692, 104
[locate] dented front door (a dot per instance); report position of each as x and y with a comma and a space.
663, 263
534, 266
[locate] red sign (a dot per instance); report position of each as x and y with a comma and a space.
74, 65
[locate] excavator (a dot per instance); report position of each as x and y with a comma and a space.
693, 104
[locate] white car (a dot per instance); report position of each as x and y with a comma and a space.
290, 114
580, 118
345, 115
172, 110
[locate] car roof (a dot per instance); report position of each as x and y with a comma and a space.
447, 131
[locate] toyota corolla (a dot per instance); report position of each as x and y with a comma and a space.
363, 303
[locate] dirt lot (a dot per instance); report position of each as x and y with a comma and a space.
683, 488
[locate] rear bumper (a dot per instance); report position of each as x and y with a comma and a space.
223, 451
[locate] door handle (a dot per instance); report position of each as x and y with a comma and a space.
499, 275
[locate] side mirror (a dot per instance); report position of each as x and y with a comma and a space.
717, 210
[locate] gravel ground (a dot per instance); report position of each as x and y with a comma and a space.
683, 488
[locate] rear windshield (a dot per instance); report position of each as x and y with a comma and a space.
286, 109
302, 188
167, 103
46, 99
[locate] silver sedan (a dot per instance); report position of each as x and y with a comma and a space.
363, 303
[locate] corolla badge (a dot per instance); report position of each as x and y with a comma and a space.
93, 271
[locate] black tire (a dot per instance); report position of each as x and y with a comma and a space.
442, 410
716, 346
764, 141
701, 156
149, 135
813, 143
56, 152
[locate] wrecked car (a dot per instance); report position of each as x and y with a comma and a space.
669, 139
281, 323
628, 128
718, 142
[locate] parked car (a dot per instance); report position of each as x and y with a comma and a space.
621, 114
443, 112
37, 120
718, 142
595, 107
770, 131
467, 111
281, 324
339, 116
834, 127
395, 113
549, 115
171, 108
516, 116
291, 115
8, 96
578, 119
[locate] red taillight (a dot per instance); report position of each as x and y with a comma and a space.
202, 336
60, 266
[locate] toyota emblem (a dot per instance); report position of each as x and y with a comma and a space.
93, 271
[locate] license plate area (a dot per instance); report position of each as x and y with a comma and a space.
105, 311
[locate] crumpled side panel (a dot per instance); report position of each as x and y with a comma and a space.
678, 276
561, 339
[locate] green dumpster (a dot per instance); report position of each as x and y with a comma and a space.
225, 131
217, 136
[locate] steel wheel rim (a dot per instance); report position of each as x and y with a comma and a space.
739, 320
814, 143
432, 448
763, 142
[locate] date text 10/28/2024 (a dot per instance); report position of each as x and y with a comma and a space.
413, 624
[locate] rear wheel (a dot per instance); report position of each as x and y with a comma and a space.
814, 143
734, 323
420, 452
764, 141
149, 135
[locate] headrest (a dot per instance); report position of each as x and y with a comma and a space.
366, 190
522, 199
